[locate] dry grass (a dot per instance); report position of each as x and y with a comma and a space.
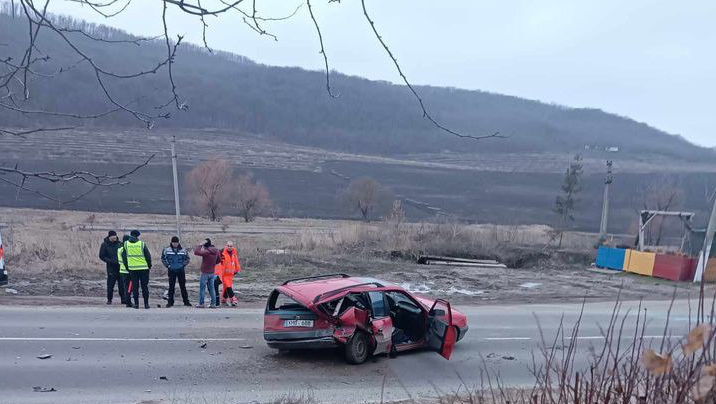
68, 242
414, 239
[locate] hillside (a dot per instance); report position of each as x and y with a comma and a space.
227, 91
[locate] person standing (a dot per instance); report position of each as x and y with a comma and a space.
218, 272
209, 258
138, 261
175, 258
229, 266
108, 254
124, 275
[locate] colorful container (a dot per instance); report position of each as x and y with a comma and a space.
710, 270
611, 258
674, 267
641, 263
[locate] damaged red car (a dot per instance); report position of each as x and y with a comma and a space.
364, 316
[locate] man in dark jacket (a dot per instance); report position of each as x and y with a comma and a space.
175, 258
209, 258
108, 254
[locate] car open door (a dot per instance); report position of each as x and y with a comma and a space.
441, 333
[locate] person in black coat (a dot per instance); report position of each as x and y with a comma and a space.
108, 254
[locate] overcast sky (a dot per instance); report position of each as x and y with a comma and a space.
650, 60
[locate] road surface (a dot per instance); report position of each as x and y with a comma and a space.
119, 355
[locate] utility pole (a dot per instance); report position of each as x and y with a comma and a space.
176, 185
605, 204
708, 240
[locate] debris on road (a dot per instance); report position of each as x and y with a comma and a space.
508, 358
203, 346
246, 347
11, 291
75, 347
462, 262
45, 356
163, 378
39, 389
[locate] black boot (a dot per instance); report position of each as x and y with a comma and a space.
169, 304
146, 305
136, 306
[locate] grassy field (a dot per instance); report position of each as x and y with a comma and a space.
55, 253
304, 182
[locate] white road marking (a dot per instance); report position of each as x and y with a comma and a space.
582, 337
116, 339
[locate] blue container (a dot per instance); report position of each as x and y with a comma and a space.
616, 259
602, 257
611, 258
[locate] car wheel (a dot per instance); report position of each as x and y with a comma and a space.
357, 348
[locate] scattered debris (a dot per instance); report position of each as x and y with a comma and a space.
147, 391
11, 291
491, 355
39, 389
246, 347
203, 346
45, 356
163, 378
530, 285
463, 262
508, 358
75, 347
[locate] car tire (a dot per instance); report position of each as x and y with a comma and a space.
357, 349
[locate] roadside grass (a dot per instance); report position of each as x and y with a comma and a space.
67, 243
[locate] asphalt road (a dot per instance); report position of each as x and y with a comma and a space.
119, 355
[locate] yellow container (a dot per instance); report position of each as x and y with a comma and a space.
710, 271
641, 263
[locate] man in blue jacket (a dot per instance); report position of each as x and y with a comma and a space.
175, 258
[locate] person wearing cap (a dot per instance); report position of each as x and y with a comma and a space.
210, 256
108, 254
175, 259
228, 266
138, 260
124, 282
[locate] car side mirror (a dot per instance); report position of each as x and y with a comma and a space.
437, 313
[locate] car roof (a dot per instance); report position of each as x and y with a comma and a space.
310, 288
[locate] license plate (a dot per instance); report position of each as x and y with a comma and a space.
298, 323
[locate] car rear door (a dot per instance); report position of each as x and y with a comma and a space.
381, 324
441, 333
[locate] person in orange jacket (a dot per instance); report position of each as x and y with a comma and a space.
228, 266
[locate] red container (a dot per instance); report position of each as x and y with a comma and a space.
674, 267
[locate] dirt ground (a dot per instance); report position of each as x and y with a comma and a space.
52, 259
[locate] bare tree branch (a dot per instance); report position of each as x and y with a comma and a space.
426, 114
79, 176
323, 50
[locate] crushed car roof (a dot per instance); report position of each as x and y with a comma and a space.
310, 288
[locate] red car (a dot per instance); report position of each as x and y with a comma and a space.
365, 316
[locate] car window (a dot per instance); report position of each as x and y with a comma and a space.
400, 299
279, 301
377, 303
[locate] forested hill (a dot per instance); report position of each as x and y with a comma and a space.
291, 104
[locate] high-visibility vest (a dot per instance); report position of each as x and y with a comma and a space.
122, 268
135, 256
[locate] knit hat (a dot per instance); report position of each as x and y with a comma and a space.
175, 239
111, 233
134, 233
230, 243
